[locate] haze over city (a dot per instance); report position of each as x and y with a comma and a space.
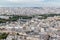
29, 3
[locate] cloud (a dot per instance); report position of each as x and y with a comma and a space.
21, 1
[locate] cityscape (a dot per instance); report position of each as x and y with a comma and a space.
29, 23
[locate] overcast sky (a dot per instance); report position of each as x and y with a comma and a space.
29, 3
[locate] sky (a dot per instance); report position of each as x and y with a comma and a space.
29, 3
